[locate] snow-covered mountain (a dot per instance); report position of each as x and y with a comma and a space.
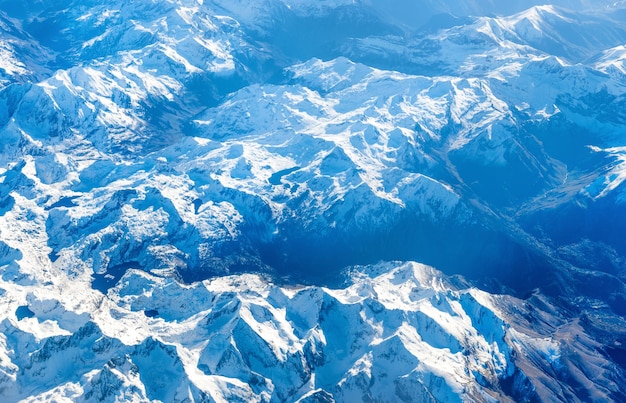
399, 332
154, 154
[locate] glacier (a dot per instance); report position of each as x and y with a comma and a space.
227, 200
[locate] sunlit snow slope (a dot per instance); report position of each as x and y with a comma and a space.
180, 180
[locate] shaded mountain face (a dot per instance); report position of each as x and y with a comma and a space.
172, 142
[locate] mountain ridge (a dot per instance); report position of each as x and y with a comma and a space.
237, 310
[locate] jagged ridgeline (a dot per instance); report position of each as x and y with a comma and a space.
169, 143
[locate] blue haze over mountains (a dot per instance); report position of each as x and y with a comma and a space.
159, 154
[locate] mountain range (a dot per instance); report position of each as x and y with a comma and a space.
228, 200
